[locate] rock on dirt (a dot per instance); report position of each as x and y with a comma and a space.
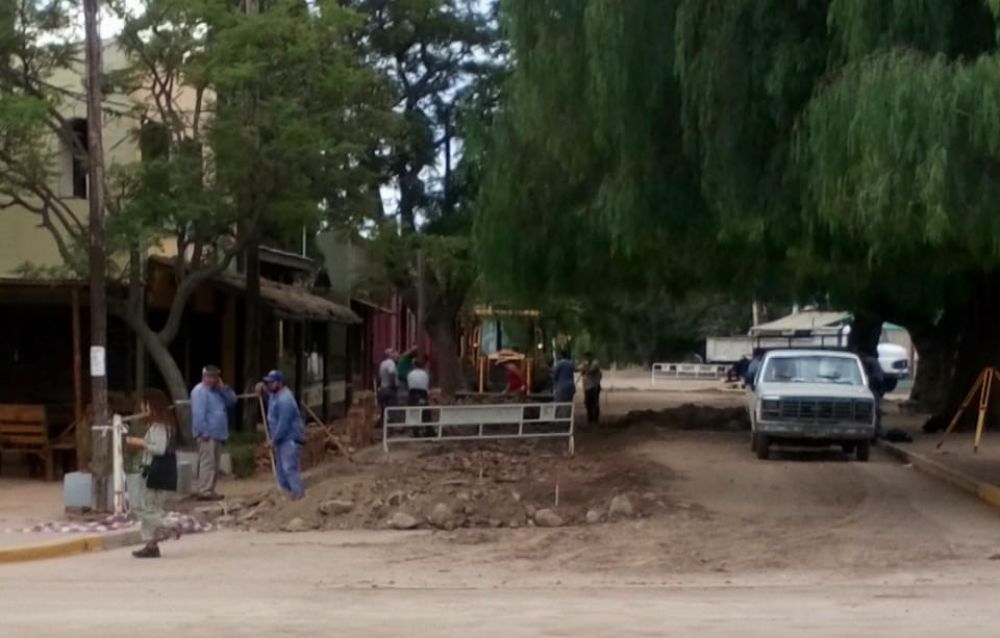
296, 525
594, 516
402, 520
442, 517
548, 518
396, 498
621, 507
209, 511
336, 507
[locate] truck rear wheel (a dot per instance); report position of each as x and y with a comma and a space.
762, 447
864, 450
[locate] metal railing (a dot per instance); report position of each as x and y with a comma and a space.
686, 371
436, 423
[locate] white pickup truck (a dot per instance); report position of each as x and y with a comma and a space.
811, 398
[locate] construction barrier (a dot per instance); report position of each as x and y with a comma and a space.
437, 423
687, 371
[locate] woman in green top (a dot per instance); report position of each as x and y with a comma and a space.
160, 469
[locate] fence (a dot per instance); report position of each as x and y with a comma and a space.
436, 423
686, 371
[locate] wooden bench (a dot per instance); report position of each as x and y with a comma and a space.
25, 429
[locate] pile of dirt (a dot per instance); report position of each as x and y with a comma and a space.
448, 487
690, 417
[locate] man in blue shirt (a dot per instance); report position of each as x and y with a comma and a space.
564, 379
287, 431
211, 401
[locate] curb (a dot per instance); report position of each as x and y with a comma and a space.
71, 547
987, 492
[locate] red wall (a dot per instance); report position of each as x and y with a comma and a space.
396, 329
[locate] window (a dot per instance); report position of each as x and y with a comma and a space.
78, 130
813, 369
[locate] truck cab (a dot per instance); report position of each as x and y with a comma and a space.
811, 398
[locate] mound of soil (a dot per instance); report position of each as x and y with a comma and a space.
690, 417
453, 486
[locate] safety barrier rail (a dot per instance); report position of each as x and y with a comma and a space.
436, 423
686, 371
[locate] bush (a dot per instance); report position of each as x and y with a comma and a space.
243, 459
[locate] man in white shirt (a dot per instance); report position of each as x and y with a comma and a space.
419, 383
387, 382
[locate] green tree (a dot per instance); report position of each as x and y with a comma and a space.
211, 163
440, 59
837, 150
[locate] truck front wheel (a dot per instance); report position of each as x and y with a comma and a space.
864, 450
763, 446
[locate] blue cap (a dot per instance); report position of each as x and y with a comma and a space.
274, 376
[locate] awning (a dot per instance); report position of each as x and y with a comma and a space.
810, 320
289, 302
292, 302
490, 311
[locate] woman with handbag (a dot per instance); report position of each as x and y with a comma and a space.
159, 462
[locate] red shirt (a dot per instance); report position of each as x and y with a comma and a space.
515, 383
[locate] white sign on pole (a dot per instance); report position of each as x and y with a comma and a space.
97, 368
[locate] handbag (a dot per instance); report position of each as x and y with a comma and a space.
161, 473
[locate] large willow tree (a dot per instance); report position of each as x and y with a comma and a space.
838, 150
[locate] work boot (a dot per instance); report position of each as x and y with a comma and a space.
152, 550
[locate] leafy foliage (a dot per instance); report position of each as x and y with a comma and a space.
837, 131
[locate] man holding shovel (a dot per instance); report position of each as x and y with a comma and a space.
286, 432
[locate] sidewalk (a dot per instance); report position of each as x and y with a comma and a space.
977, 473
28, 502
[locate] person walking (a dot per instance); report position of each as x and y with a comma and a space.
590, 370
159, 462
211, 401
287, 432
564, 379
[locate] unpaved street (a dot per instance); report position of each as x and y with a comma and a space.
807, 544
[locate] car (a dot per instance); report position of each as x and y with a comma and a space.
894, 361
804, 397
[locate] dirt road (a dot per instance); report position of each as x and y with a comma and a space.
807, 544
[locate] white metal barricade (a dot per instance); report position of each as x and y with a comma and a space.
436, 423
686, 371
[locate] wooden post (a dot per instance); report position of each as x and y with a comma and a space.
299, 329
77, 370
984, 404
421, 304
100, 457
980, 380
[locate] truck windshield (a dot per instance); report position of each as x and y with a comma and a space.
813, 369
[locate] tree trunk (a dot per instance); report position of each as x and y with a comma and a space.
443, 332
252, 326
935, 346
866, 330
167, 366
977, 346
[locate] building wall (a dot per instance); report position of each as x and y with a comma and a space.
22, 241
